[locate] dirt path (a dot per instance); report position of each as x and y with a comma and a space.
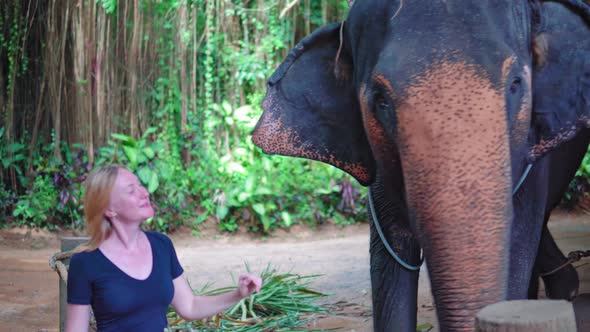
29, 291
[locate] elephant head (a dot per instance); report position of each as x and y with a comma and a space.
439, 94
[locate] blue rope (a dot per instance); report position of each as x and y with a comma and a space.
522, 178
387, 246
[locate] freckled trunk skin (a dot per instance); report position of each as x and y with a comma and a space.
454, 149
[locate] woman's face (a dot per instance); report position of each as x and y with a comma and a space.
130, 201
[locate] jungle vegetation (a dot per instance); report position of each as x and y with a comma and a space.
170, 89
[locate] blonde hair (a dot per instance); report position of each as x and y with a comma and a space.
99, 186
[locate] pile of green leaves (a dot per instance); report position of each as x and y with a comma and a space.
283, 303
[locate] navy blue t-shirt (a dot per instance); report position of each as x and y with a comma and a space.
120, 302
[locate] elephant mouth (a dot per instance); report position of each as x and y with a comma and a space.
561, 136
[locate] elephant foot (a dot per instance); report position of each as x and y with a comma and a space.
563, 284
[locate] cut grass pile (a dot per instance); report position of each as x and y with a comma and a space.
285, 303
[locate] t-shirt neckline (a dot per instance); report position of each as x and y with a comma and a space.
125, 273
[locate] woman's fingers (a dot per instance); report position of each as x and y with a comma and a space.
249, 283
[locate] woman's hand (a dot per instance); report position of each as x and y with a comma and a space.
193, 307
248, 284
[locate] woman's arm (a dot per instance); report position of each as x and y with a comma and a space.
193, 307
77, 318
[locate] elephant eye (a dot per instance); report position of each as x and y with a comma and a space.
384, 111
380, 101
515, 86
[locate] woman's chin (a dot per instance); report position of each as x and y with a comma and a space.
149, 212
145, 214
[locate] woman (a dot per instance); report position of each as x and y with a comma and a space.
129, 276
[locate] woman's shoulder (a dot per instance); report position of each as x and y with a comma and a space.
159, 237
83, 256
83, 260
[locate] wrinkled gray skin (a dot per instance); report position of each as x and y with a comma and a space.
439, 106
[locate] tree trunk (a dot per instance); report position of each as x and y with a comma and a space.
35, 134
134, 53
101, 55
184, 84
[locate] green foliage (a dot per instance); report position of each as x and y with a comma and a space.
239, 186
265, 192
35, 208
424, 327
579, 187
109, 6
11, 156
67, 176
196, 158
14, 24
138, 155
57, 184
202, 169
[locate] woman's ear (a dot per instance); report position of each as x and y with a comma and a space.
110, 213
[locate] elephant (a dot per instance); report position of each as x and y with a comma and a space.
458, 116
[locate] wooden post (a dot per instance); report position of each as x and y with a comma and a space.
67, 244
527, 316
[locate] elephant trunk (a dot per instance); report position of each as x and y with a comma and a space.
394, 287
454, 148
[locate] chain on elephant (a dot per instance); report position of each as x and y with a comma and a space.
572, 257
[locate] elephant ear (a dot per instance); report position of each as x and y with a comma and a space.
311, 109
561, 78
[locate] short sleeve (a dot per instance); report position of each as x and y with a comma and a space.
79, 286
176, 269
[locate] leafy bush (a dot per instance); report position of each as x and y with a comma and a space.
265, 192
35, 208
67, 178
49, 195
225, 176
579, 187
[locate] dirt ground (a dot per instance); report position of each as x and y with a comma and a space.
29, 288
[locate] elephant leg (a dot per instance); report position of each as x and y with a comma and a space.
535, 275
534, 284
563, 284
394, 288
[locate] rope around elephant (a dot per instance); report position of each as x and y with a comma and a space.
573, 257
